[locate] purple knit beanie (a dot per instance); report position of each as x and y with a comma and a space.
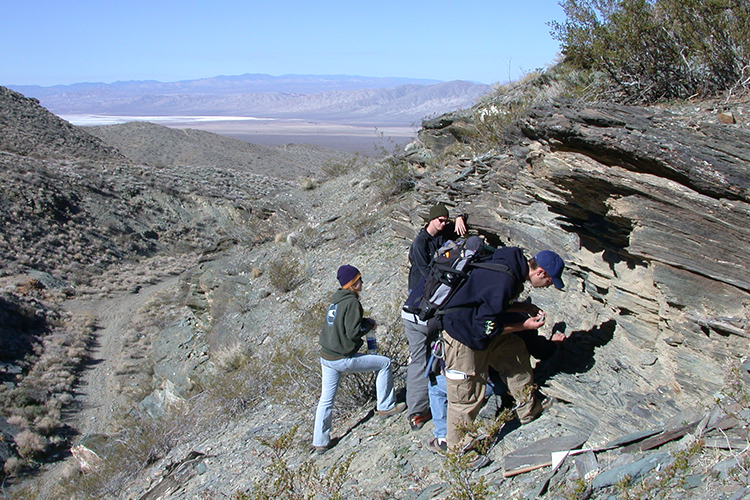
347, 275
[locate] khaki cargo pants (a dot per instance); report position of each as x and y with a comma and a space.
466, 372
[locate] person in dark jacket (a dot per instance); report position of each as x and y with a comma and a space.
340, 341
482, 314
430, 238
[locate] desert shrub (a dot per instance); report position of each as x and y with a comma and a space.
282, 482
663, 49
363, 224
286, 272
735, 396
338, 168
36, 401
238, 383
311, 319
497, 113
497, 110
30, 444
295, 377
12, 466
455, 469
392, 176
308, 183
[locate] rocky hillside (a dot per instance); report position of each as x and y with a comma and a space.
215, 379
27, 132
155, 145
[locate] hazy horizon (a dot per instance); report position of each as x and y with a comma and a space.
487, 42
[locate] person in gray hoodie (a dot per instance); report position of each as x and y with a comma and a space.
340, 341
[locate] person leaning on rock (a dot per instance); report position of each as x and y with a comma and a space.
481, 316
430, 238
340, 341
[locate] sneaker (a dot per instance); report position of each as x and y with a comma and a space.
319, 450
436, 446
398, 408
417, 420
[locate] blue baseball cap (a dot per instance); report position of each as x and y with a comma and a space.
553, 265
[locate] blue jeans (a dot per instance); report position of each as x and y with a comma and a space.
439, 406
332, 371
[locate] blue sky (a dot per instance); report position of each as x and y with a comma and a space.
49, 42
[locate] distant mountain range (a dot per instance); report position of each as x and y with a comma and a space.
337, 98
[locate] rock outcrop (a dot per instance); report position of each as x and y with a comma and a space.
650, 211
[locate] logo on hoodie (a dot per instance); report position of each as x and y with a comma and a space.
331, 315
489, 327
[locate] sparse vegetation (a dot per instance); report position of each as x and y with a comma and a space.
308, 183
34, 400
392, 177
304, 482
334, 168
286, 272
456, 466
270, 359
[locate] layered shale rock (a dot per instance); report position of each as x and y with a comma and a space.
650, 211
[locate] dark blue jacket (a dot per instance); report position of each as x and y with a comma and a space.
481, 303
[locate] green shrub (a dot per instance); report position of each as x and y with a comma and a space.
455, 468
663, 49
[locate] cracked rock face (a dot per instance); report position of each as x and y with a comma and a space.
650, 211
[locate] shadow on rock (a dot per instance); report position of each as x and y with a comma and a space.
576, 355
23, 329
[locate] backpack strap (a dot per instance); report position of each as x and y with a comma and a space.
492, 266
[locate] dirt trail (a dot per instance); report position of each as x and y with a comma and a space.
98, 392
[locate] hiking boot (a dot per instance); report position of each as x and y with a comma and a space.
436, 446
398, 408
546, 404
319, 450
417, 420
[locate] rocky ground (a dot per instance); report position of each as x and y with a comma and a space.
225, 333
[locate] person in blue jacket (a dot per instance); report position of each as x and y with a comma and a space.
476, 325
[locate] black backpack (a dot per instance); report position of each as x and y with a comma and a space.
449, 270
